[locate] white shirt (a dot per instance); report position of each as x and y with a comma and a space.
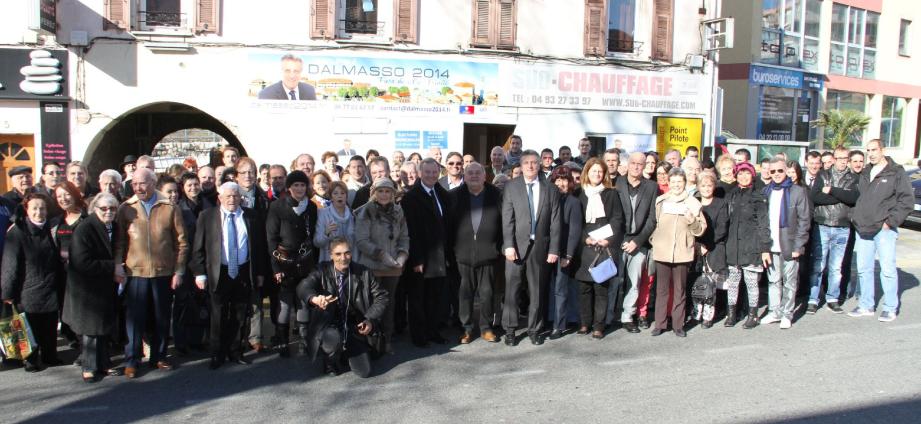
876, 169
452, 185
774, 212
297, 93
536, 189
429, 191
242, 240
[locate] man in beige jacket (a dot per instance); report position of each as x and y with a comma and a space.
154, 249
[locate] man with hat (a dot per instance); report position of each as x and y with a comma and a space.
21, 177
128, 165
289, 228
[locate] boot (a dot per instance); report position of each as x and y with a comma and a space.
752, 320
282, 331
302, 330
731, 318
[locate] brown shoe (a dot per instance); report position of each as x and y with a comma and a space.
165, 366
131, 372
466, 338
257, 347
489, 336
583, 330
597, 334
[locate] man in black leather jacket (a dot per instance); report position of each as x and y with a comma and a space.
833, 193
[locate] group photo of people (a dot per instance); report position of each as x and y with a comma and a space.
343, 263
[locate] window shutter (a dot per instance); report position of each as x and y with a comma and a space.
662, 32
507, 24
482, 24
117, 15
323, 19
406, 21
594, 44
208, 16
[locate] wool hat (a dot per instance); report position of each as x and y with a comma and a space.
382, 183
296, 177
18, 170
745, 166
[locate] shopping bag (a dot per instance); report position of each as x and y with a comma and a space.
16, 336
604, 270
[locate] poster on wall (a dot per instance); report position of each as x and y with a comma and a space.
632, 142
677, 133
304, 76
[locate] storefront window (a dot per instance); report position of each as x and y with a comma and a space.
790, 31
843, 100
890, 129
853, 42
776, 113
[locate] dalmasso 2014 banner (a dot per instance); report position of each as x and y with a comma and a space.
374, 80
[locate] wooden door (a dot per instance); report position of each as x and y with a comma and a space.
16, 150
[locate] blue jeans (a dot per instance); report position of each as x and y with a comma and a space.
139, 293
564, 303
883, 244
828, 245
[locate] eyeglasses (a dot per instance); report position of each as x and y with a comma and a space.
841, 158
777, 171
107, 208
455, 163
54, 173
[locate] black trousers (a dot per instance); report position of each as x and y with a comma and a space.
229, 305
593, 303
45, 330
95, 353
536, 271
424, 299
476, 283
355, 352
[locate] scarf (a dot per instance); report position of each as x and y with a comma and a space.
301, 206
785, 186
595, 208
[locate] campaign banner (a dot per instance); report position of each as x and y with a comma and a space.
603, 88
304, 76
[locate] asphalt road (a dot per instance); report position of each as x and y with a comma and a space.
827, 368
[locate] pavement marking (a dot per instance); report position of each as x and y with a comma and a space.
79, 410
905, 327
630, 361
824, 337
522, 373
735, 348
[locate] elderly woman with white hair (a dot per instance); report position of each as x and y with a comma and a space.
691, 168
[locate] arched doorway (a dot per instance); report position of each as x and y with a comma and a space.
138, 131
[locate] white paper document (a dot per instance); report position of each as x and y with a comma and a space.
602, 233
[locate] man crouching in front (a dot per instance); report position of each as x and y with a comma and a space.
346, 304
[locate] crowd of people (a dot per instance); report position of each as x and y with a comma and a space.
347, 258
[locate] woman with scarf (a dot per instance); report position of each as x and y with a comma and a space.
747, 239
321, 184
334, 221
679, 221
31, 265
383, 240
602, 208
712, 243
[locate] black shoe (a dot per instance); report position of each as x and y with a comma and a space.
731, 317
536, 339
834, 307
331, 367
752, 320
643, 322
656, 332
812, 308
241, 360
510, 339
437, 339
631, 327
215, 363
680, 333
556, 334
283, 350
706, 324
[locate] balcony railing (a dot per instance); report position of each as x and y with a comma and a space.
357, 26
624, 46
154, 18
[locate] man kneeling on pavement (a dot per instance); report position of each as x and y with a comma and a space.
346, 305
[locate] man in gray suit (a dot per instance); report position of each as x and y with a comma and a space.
531, 233
290, 87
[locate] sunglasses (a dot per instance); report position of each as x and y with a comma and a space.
107, 208
777, 171
455, 163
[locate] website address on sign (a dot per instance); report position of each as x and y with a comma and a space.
649, 104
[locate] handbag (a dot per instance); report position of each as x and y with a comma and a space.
298, 264
604, 270
16, 336
704, 288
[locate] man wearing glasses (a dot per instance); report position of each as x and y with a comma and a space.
833, 194
455, 172
52, 175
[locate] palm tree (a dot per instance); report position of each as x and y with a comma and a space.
841, 125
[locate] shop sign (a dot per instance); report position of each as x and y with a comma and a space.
33, 74
784, 78
677, 133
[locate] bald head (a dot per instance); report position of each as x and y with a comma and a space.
144, 183
475, 177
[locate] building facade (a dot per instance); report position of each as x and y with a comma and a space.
794, 58
385, 74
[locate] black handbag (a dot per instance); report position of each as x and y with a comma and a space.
704, 288
298, 263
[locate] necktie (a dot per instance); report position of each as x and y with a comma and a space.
340, 279
109, 231
233, 265
291, 94
531, 209
435, 202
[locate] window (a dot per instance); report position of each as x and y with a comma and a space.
160, 13
621, 26
843, 100
904, 35
790, 33
890, 128
377, 21
853, 42
494, 24
170, 15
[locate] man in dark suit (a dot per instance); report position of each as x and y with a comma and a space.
229, 258
427, 207
290, 87
346, 307
638, 199
531, 240
477, 230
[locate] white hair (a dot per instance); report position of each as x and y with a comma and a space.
145, 174
111, 173
229, 185
104, 197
